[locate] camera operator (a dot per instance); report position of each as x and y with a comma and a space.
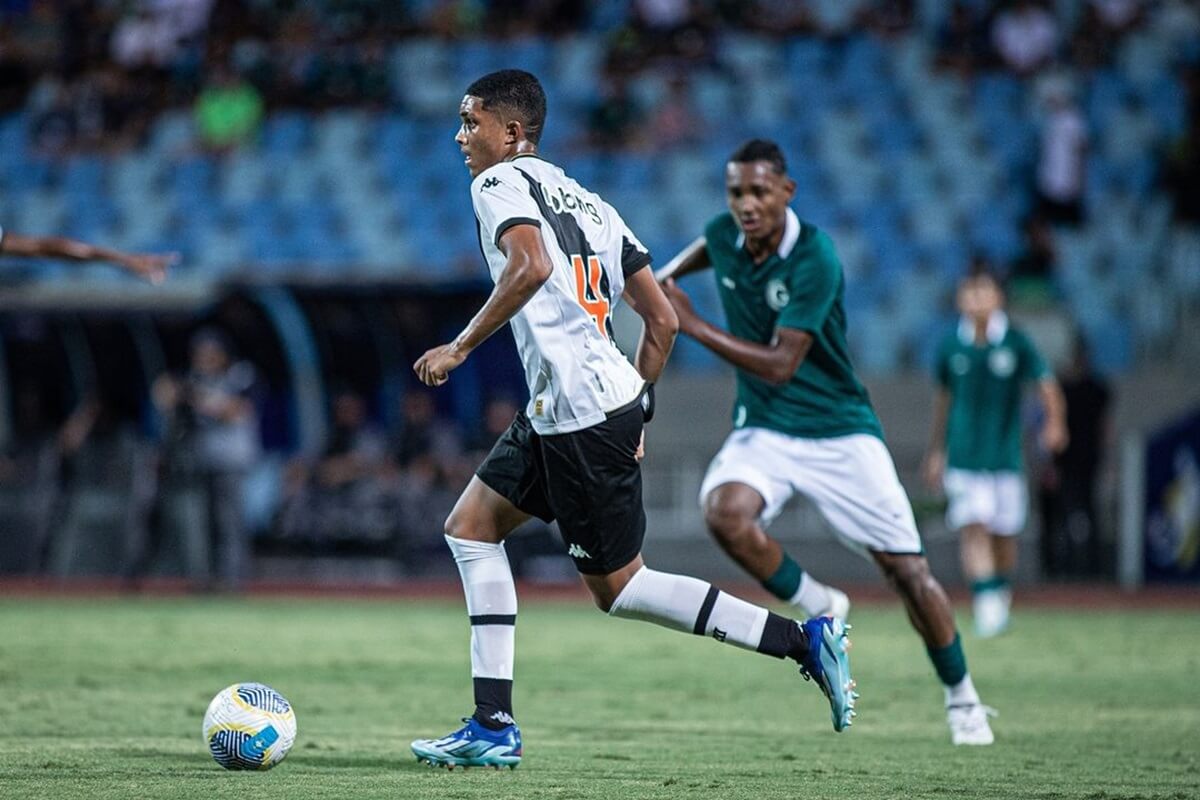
212, 442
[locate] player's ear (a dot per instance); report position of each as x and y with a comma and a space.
789, 188
514, 131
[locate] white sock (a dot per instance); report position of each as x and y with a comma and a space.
812, 596
690, 605
962, 693
492, 605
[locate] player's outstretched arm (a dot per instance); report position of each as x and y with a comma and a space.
646, 298
149, 266
933, 466
528, 266
775, 362
692, 258
1053, 435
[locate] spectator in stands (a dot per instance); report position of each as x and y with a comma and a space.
614, 122
1025, 36
962, 40
213, 441
675, 121
1032, 274
340, 496
143, 40
1183, 159
15, 74
498, 414
421, 434
228, 112
1062, 156
1072, 535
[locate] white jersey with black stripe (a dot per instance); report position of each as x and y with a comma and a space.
575, 372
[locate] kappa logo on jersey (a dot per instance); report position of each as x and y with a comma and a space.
575, 551
777, 294
1002, 362
490, 182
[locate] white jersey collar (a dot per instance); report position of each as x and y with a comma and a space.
791, 235
997, 327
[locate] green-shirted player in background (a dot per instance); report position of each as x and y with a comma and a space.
803, 422
975, 444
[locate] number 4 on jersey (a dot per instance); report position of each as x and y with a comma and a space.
587, 289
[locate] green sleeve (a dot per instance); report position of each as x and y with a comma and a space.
812, 288
1032, 366
716, 232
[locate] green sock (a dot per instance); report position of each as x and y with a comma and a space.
992, 584
786, 581
949, 661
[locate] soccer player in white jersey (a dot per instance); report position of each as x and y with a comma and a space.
562, 258
150, 266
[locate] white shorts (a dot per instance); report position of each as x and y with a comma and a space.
850, 479
996, 500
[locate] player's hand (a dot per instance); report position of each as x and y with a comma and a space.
150, 266
933, 470
640, 453
1054, 438
434, 367
681, 303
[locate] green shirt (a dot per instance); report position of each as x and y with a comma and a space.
983, 432
801, 287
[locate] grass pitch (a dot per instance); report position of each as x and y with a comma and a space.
104, 699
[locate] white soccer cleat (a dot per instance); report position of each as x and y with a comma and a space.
990, 610
969, 724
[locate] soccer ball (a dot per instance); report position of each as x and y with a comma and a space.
249, 726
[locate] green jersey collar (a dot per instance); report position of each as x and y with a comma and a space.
997, 328
791, 235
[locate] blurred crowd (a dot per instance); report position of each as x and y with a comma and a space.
198, 495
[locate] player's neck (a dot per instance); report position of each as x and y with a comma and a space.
522, 148
761, 249
981, 330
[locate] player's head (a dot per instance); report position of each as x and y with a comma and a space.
502, 113
758, 189
980, 293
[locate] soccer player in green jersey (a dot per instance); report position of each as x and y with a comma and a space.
975, 444
802, 421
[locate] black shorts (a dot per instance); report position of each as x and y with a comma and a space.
589, 480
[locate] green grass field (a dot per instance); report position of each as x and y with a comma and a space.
104, 698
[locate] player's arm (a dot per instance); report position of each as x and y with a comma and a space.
150, 266
646, 298
692, 258
775, 362
527, 267
933, 466
1053, 436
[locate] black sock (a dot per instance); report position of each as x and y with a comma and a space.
493, 703
783, 638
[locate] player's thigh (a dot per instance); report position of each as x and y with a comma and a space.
506, 489
970, 499
593, 483
754, 458
1011, 503
853, 483
482, 514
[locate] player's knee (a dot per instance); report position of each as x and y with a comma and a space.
462, 524
909, 574
728, 518
603, 601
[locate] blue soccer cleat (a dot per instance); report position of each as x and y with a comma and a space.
828, 664
472, 745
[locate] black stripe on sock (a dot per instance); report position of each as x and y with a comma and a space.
705, 611
493, 619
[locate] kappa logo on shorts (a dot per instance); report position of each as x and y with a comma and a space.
719, 634
575, 551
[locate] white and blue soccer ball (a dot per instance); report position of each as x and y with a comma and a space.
249, 726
